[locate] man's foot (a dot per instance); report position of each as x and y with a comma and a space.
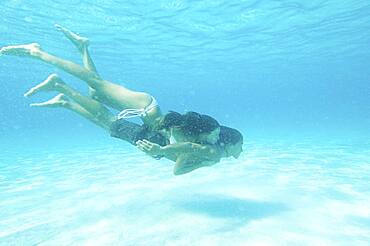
21, 50
78, 41
58, 101
49, 84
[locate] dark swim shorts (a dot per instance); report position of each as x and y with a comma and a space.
132, 132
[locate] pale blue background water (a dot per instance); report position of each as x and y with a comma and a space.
293, 76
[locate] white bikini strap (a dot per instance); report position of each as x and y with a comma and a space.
130, 113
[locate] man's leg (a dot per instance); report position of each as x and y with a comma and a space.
93, 107
118, 96
62, 101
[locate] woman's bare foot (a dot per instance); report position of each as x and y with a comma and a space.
78, 41
58, 101
21, 50
51, 83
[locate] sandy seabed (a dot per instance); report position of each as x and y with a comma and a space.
274, 194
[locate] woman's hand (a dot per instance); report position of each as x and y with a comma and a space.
149, 147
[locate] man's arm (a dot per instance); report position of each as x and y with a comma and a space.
188, 162
173, 151
188, 156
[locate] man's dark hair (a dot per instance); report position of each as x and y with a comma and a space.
191, 123
195, 124
229, 136
171, 119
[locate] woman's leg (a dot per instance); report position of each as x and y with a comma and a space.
82, 43
118, 96
62, 101
95, 109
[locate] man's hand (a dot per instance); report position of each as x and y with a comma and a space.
149, 147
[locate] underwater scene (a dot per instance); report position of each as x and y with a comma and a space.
179, 122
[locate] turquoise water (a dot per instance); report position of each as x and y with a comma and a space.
293, 76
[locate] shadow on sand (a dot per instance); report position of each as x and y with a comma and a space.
227, 207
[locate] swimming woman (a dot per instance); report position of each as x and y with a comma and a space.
130, 103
